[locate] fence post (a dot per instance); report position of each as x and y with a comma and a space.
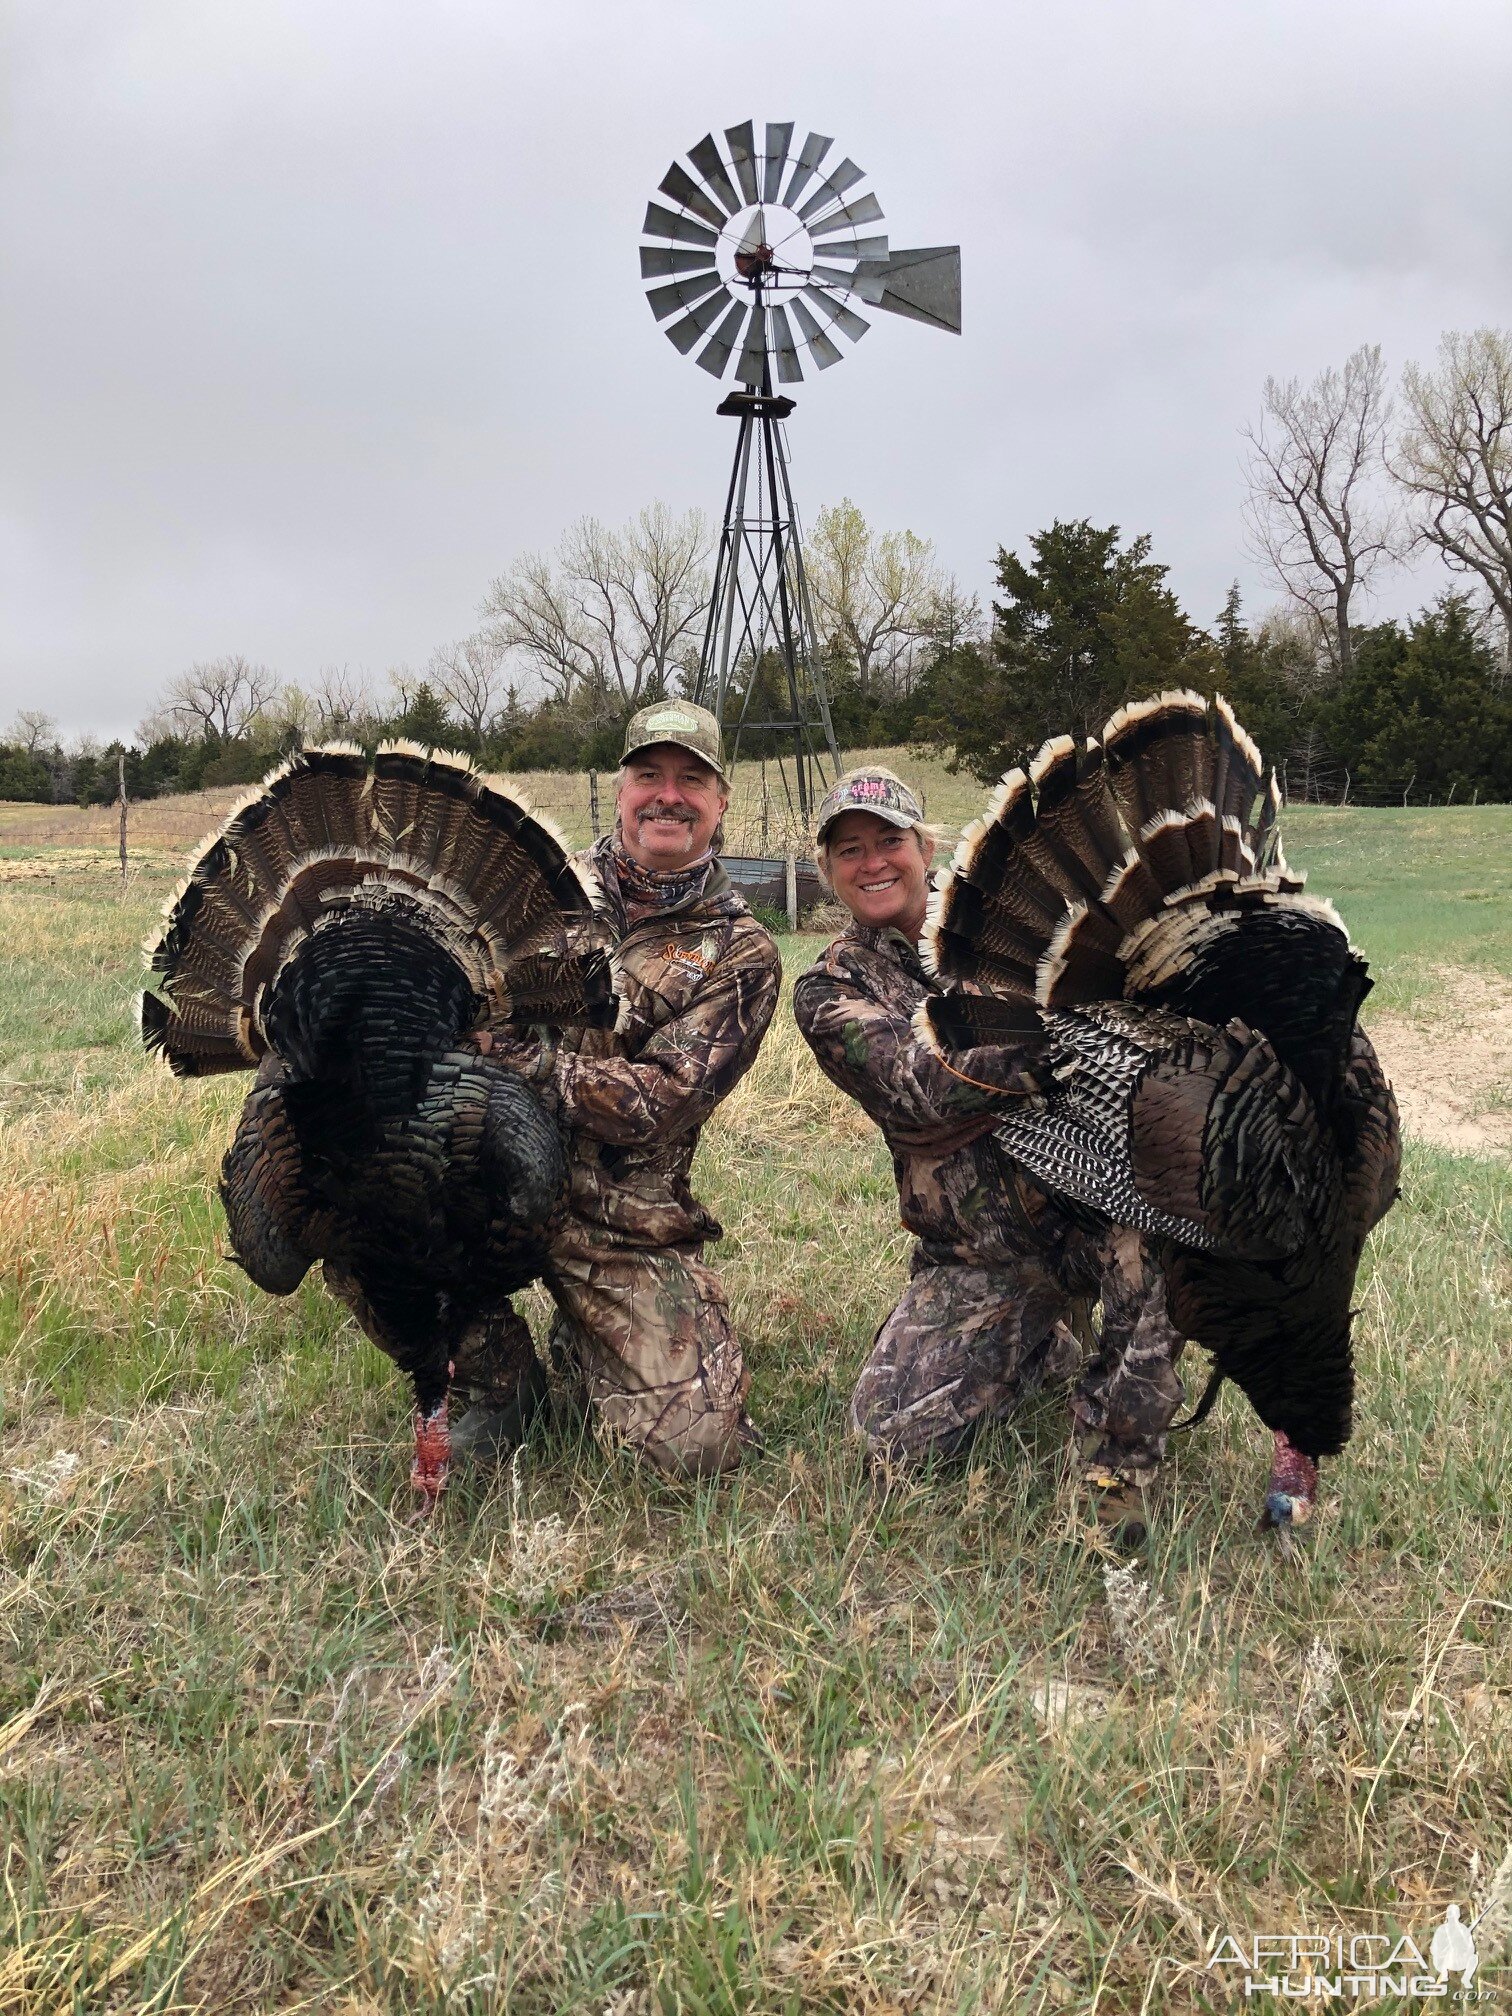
766, 811
121, 793
791, 866
1345, 799
593, 811
1409, 784
1452, 789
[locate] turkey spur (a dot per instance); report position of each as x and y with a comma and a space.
343, 936
1125, 911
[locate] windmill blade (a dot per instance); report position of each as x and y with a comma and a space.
874, 249
842, 318
865, 210
656, 260
820, 348
749, 368
831, 189
789, 370
662, 223
687, 332
716, 353
741, 141
680, 186
667, 300
806, 167
709, 162
865, 282
774, 160
925, 285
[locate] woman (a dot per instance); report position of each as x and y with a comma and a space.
998, 1266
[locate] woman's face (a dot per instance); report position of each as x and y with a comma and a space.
878, 872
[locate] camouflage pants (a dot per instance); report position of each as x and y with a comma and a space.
651, 1334
648, 1331
1130, 1393
966, 1344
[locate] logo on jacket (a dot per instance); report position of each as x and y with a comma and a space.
687, 955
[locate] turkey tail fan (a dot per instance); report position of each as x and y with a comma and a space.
1136, 867
958, 1021
1160, 758
546, 987
423, 830
1044, 848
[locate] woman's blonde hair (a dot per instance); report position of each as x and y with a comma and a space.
928, 835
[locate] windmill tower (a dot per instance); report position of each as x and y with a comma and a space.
764, 257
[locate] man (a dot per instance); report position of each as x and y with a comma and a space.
998, 1265
645, 1321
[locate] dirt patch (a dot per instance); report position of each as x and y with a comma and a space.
1452, 1067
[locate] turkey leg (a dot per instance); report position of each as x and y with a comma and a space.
1291, 1493
432, 1461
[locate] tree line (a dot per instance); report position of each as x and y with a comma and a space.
1341, 485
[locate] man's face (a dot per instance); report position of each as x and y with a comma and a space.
878, 872
669, 803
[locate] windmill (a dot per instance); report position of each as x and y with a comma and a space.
764, 257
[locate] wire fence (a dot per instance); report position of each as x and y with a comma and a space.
763, 822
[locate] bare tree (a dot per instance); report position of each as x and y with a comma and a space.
879, 594
1454, 460
340, 703
1314, 512
33, 731
223, 697
469, 677
614, 614
288, 717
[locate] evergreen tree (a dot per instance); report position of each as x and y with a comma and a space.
1425, 712
1084, 627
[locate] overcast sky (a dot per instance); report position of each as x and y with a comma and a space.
316, 312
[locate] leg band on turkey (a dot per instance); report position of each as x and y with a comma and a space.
1174, 1027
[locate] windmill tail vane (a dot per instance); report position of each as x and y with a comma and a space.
757, 259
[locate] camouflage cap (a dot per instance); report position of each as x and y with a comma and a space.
873, 790
680, 722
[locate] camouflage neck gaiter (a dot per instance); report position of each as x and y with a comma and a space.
644, 890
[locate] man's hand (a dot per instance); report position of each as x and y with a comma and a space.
530, 1056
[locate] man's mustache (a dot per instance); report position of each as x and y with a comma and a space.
657, 810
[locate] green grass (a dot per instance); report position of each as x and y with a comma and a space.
592, 1742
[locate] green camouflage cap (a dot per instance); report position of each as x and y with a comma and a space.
871, 790
680, 722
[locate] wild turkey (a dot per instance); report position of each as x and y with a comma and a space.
349, 927
1126, 911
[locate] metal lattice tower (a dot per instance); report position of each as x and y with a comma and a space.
761, 259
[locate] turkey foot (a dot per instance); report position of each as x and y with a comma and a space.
432, 1459
1290, 1494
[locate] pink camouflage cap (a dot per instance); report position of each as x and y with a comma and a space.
869, 790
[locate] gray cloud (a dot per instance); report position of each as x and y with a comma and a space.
315, 313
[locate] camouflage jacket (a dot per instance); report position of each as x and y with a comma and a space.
957, 1192
699, 983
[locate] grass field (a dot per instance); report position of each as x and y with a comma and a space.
785, 1743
